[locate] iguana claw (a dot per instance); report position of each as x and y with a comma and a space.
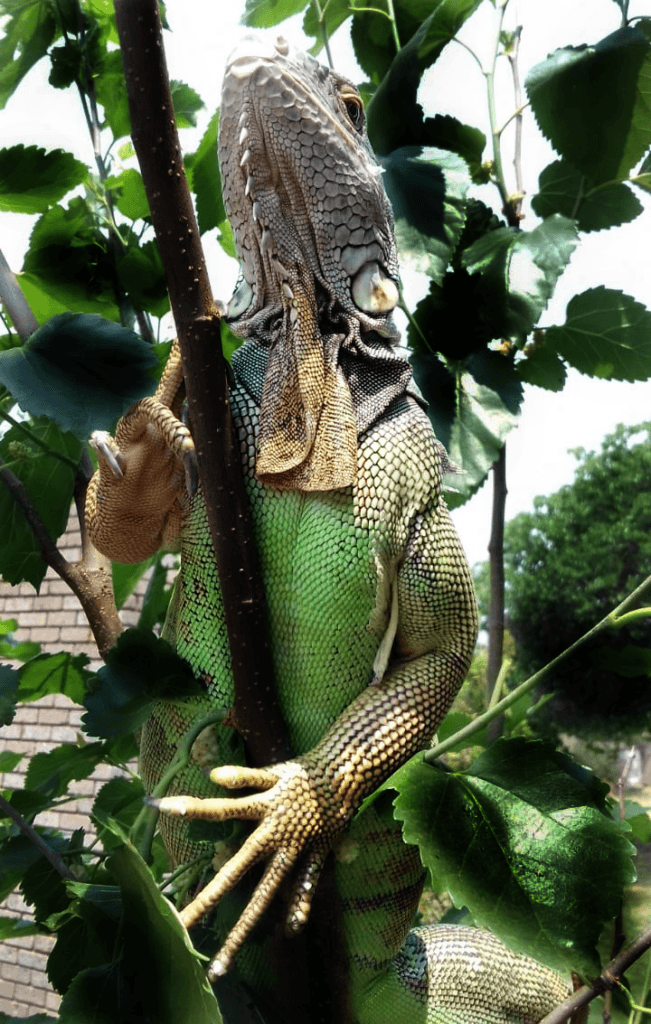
105, 446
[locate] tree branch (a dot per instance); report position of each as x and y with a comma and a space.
609, 978
156, 141
51, 855
90, 579
12, 296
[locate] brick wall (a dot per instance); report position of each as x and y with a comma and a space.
54, 619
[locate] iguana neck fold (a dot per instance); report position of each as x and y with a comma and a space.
314, 233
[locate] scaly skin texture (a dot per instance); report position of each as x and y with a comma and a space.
372, 616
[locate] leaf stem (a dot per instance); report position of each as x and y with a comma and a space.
320, 17
472, 53
394, 27
617, 617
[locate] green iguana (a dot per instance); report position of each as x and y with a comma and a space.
372, 615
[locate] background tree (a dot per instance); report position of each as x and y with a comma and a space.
566, 564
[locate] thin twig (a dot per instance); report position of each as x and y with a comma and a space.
496, 611
489, 73
320, 17
609, 978
516, 202
51, 855
610, 621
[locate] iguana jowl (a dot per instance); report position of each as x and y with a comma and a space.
372, 616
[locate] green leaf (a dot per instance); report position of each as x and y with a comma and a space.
157, 597
394, 116
520, 839
186, 103
565, 190
8, 758
543, 368
204, 178
87, 932
606, 334
127, 577
427, 188
167, 972
121, 801
471, 413
63, 673
446, 132
453, 722
52, 772
43, 887
18, 928
31, 179
9, 682
131, 196
141, 274
80, 370
140, 669
643, 177
638, 818
263, 13
47, 298
66, 64
19, 651
334, 14
69, 264
111, 92
606, 128
27, 35
49, 483
524, 266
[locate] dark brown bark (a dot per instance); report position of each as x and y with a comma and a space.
90, 579
155, 138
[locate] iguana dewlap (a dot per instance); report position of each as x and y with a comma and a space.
372, 616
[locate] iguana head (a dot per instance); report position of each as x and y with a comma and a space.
314, 235
303, 190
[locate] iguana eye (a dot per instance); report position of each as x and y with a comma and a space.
354, 109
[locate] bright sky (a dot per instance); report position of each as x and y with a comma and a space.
580, 415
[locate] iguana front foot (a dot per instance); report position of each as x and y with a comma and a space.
296, 821
134, 500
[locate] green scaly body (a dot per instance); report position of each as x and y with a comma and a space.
330, 562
